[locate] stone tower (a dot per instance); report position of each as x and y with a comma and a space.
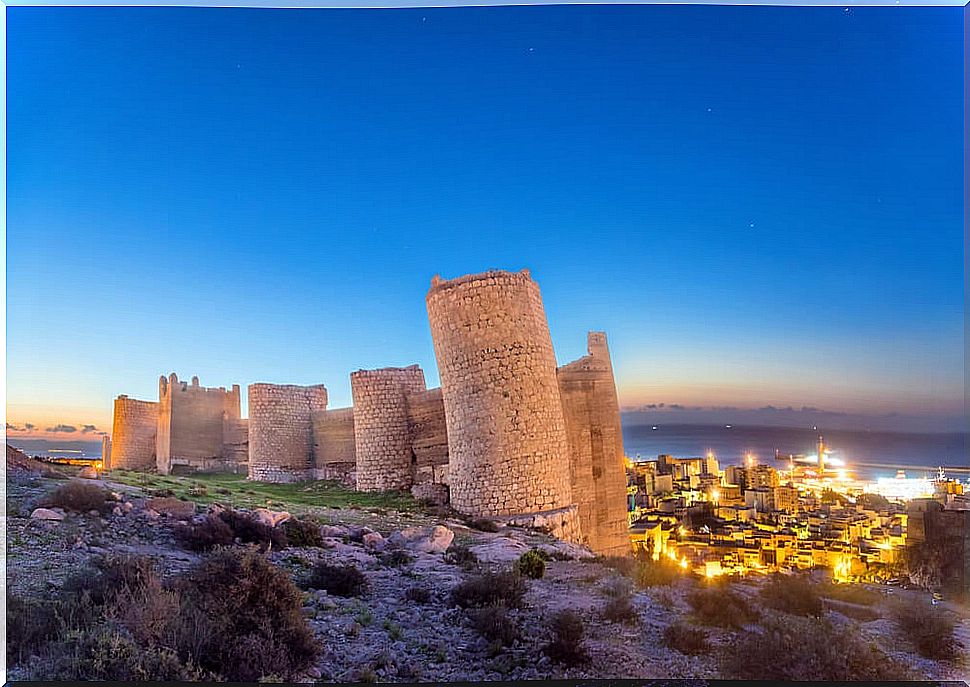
133, 434
597, 461
507, 442
381, 435
281, 430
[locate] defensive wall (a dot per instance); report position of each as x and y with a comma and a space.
281, 430
133, 434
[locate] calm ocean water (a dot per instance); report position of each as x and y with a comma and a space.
871, 454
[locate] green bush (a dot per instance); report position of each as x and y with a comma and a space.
339, 580
531, 564
686, 639
793, 594
567, 638
488, 589
799, 648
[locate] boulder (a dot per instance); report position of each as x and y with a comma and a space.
333, 531
435, 539
269, 517
46, 514
172, 507
373, 540
88, 472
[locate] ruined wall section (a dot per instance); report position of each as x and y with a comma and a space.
429, 436
596, 466
105, 452
507, 438
133, 434
235, 446
281, 430
334, 448
381, 433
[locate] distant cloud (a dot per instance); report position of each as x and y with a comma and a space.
87, 429
67, 429
14, 428
30, 426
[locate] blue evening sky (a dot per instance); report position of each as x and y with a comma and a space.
759, 205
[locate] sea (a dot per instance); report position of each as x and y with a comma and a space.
868, 454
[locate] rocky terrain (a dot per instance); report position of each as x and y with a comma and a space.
404, 623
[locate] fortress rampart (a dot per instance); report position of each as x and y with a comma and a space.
133, 434
193, 424
381, 432
511, 436
596, 458
507, 441
281, 430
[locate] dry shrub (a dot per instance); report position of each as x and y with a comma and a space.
339, 580
396, 558
651, 573
483, 525
31, 623
80, 496
720, 605
418, 594
494, 623
567, 638
929, 628
462, 556
531, 564
863, 614
490, 588
205, 535
302, 533
626, 565
799, 648
850, 593
242, 618
686, 639
620, 609
249, 530
793, 594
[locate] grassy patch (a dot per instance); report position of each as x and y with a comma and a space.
206, 488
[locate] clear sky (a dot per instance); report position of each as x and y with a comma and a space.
759, 205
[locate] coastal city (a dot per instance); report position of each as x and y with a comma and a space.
800, 513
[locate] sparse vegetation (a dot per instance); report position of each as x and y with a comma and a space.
302, 533
396, 558
567, 645
80, 497
531, 564
418, 594
720, 605
249, 530
339, 580
482, 524
490, 588
620, 609
494, 623
205, 535
686, 639
461, 555
929, 628
793, 594
799, 648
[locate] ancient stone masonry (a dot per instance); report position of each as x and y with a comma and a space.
507, 442
105, 452
381, 433
334, 451
429, 436
281, 430
133, 434
199, 428
592, 414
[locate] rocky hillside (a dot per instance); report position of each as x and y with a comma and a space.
410, 593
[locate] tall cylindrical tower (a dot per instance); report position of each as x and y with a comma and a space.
281, 430
133, 434
506, 433
381, 435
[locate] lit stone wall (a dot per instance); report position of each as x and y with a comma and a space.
596, 464
429, 436
133, 434
235, 446
507, 442
334, 450
281, 430
105, 452
381, 435
192, 423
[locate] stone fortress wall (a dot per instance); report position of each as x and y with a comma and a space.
133, 434
281, 430
511, 436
